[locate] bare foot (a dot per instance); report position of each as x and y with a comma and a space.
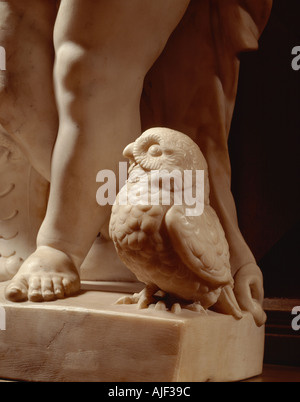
48, 274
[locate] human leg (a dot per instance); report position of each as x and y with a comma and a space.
103, 51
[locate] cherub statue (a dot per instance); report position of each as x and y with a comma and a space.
74, 125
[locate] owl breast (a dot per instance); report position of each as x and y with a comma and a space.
139, 238
143, 244
136, 231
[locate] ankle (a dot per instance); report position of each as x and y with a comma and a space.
63, 247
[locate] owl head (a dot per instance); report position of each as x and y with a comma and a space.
163, 148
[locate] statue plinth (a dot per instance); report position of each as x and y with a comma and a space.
89, 338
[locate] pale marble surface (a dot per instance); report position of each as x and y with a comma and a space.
40, 119
88, 338
69, 132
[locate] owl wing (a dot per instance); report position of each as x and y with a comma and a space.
201, 244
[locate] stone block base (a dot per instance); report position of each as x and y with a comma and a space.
89, 338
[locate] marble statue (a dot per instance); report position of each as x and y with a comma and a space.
185, 256
67, 128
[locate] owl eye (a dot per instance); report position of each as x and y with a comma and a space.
155, 150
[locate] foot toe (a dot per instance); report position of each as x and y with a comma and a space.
35, 289
70, 287
35, 296
47, 289
58, 288
17, 290
15, 294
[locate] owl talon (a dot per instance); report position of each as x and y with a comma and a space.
143, 299
143, 303
176, 308
160, 306
196, 307
126, 300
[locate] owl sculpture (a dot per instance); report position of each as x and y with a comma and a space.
181, 257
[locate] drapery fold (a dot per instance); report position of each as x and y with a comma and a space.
193, 86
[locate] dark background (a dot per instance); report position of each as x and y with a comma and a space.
264, 147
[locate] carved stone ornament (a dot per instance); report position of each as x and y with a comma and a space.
165, 243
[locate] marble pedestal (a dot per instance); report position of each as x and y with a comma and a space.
88, 338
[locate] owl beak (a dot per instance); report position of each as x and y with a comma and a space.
128, 152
